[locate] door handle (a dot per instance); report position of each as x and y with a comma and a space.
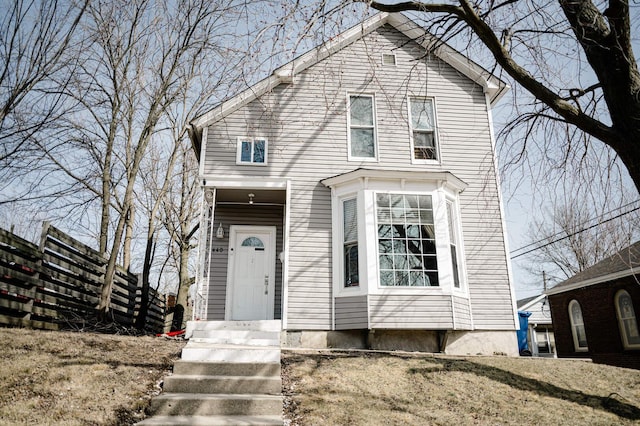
266, 284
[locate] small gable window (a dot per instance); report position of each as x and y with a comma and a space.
627, 320
423, 129
251, 151
388, 60
362, 128
577, 327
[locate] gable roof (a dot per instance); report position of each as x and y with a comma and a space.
491, 84
622, 264
526, 303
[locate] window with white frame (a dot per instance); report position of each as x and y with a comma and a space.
423, 129
350, 238
627, 320
452, 223
362, 129
406, 240
252, 151
577, 327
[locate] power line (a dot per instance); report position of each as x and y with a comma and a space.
572, 234
590, 220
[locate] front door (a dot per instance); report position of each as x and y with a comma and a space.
251, 273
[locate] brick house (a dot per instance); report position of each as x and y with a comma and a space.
594, 312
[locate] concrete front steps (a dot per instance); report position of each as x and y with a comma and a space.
229, 374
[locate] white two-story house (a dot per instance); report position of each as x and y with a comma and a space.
353, 195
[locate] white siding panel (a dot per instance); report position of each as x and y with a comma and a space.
462, 313
431, 312
306, 125
351, 313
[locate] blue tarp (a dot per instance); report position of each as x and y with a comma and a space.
522, 333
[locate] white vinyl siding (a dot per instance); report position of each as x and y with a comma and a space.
351, 313
306, 125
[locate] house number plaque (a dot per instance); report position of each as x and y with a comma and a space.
217, 249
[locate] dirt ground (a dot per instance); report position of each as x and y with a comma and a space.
349, 388
65, 378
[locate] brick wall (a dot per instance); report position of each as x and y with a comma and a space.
600, 321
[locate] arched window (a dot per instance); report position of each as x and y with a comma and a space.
253, 242
577, 327
627, 320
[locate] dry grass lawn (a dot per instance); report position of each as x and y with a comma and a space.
63, 378
404, 389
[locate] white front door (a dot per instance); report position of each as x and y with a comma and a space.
251, 273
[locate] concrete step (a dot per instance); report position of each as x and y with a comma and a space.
240, 341
265, 325
211, 420
199, 351
269, 369
237, 337
223, 384
195, 404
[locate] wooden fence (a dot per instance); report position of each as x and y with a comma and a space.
59, 282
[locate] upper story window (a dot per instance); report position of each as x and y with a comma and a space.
577, 327
423, 129
252, 151
406, 240
362, 128
627, 320
350, 242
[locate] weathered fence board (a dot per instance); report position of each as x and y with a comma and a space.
61, 279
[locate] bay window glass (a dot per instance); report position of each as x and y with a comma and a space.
362, 127
350, 236
453, 243
423, 129
406, 240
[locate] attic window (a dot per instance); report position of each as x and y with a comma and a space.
252, 151
388, 60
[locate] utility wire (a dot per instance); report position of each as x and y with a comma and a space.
572, 234
590, 220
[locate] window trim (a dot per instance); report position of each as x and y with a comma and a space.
253, 139
436, 141
576, 343
623, 330
351, 157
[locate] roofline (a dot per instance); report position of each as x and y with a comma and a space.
532, 302
449, 178
492, 85
593, 281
